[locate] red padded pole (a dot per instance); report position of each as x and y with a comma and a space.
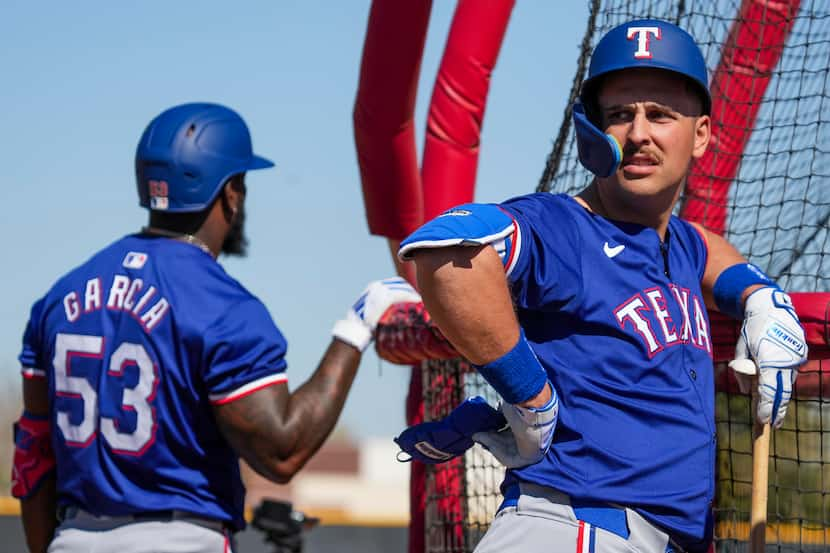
396, 202
384, 133
384, 129
456, 111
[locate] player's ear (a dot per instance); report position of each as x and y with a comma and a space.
703, 133
232, 196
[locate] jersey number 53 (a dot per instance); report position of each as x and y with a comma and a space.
136, 399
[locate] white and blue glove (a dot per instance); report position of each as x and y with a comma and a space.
772, 345
516, 436
358, 327
438, 441
529, 435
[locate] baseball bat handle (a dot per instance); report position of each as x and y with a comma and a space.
760, 479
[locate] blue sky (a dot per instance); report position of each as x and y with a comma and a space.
81, 80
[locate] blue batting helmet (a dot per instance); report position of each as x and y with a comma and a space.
648, 43
642, 43
188, 152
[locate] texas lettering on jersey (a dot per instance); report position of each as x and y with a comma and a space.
648, 307
624, 335
123, 294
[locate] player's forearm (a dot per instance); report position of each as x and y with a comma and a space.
38, 512
275, 431
39, 509
465, 291
720, 256
315, 406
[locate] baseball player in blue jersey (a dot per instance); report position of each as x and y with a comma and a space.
588, 315
149, 371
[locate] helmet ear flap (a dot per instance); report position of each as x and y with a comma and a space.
599, 152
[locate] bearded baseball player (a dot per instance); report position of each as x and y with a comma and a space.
148, 370
595, 331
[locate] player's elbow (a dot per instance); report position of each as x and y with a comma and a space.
270, 460
282, 471
280, 477
275, 470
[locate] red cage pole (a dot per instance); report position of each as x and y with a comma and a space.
384, 138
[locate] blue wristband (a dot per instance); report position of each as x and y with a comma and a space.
517, 375
730, 286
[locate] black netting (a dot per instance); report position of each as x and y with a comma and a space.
462, 495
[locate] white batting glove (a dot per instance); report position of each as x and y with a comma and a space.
772, 345
530, 434
358, 327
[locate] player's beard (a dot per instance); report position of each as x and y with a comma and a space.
236, 243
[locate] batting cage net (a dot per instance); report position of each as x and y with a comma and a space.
764, 185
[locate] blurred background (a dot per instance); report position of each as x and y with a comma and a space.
81, 81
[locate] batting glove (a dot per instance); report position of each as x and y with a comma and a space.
439, 441
530, 434
772, 345
358, 327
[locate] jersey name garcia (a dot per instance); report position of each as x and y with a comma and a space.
137, 345
124, 294
617, 319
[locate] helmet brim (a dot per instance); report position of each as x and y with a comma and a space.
258, 162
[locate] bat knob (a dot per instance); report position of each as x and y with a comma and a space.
743, 366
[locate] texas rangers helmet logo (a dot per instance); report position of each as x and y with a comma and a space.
642, 34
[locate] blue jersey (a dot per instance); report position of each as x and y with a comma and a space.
617, 319
137, 345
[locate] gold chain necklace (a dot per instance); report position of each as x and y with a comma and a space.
181, 236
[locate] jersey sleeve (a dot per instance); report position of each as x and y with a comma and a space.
543, 267
31, 364
244, 352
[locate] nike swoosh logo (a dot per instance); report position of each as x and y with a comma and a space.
612, 252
